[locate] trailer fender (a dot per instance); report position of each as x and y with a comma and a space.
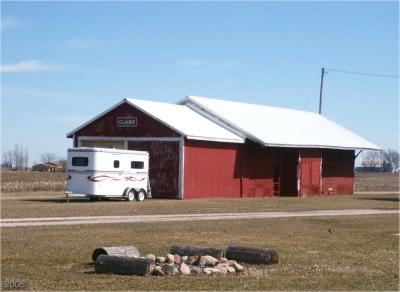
126, 192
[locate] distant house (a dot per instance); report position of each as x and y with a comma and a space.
48, 166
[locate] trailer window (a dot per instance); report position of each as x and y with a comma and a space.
80, 161
116, 163
137, 164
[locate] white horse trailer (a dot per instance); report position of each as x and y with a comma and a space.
108, 173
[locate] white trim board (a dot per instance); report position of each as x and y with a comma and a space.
181, 180
121, 138
198, 108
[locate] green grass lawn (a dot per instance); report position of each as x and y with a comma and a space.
361, 253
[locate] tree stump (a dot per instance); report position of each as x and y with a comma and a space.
122, 265
119, 251
252, 255
185, 250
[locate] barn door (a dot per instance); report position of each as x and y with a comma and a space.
164, 166
310, 173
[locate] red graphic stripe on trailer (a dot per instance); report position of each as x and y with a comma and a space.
101, 178
132, 178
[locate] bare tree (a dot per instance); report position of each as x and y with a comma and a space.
372, 159
26, 159
18, 155
392, 157
7, 160
17, 159
48, 157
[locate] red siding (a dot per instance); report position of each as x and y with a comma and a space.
211, 170
310, 172
337, 171
106, 126
164, 166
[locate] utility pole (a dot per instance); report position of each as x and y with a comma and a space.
320, 90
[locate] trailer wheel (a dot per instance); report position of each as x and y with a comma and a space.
130, 196
141, 196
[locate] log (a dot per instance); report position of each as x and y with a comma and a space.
119, 251
122, 265
186, 250
252, 255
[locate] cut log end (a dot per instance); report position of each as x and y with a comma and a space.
121, 251
252, 255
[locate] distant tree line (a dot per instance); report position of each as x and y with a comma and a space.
387, 160
18, 159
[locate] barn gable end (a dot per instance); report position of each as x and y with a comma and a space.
107, 125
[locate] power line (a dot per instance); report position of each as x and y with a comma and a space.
363, 73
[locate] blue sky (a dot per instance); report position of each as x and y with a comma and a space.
63, 63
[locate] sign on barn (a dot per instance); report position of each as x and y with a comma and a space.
126, 121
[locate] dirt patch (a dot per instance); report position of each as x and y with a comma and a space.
377, 182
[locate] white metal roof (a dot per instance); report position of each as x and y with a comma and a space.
179, 118
185, 121
273, 126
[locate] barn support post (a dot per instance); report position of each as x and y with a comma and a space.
320, 173
298, 175
354, 162
181, 167
241, 177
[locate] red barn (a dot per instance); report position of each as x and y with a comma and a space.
202, 148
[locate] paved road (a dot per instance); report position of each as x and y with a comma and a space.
47, 221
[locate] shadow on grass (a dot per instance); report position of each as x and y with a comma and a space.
88, 268
397, 199
71, 201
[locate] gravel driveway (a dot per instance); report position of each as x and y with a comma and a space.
48, 221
